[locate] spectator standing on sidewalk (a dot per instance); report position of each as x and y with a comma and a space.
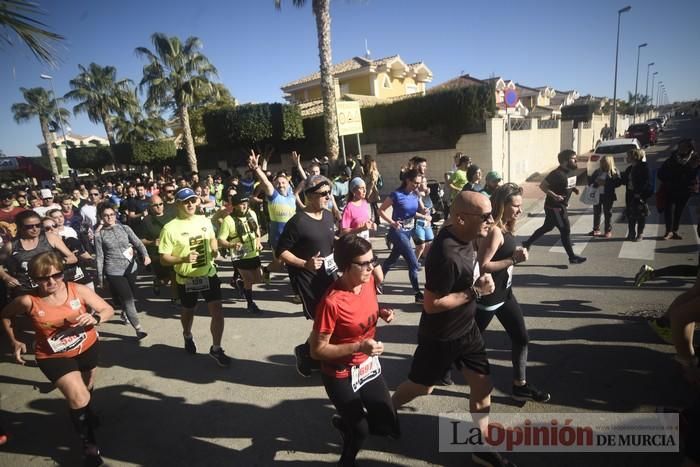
558, 186
606, 178
678, 174
638, 189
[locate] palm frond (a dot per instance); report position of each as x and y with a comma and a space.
18, 17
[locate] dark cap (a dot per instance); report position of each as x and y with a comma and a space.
184, 194
239, 198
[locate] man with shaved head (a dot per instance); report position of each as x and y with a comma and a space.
149, 232
447, 332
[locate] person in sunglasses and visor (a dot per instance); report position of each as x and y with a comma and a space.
66, 342
31, 240
188, 244
306, 247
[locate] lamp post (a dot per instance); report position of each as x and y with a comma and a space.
646, 89
55, 101
658, 91
653, 77
613, 124
636, 82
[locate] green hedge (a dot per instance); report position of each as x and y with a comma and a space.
89, 157
146, 152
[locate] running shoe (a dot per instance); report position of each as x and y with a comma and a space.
577, 260
608, 234
529, 393
123, 319
594, 233
419, 298
295, 299
190, 346
668, 235
491, 459
156, 290
644, 274
3, 438
253, 308
663, 332
92, 456
446, 379
221, 358
675, 236
266, 276
141, 334
303, 362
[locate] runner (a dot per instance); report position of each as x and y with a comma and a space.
558, 186
447, 332
405, 205
240, 232
498, 255
343, 340
149, 233
357, 215
423, 234
188, 244
66, 342
306, 247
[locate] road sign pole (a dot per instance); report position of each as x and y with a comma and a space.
359, 147
509, 132
342, 142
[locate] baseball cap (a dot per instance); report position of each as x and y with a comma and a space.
184, 194
493, 176
46, 193
239, 198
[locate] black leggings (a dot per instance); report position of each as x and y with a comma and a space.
605, 206
379, 419
511, 317
680, 270
554, 217
672, 212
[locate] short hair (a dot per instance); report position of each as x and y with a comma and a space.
348, 247
25, 215
410, 174
140, 185
565, 155
104, 206
419, 160
464, 159
42, 263
53, 211
471, 172
636, 154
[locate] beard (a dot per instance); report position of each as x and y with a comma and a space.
572, 165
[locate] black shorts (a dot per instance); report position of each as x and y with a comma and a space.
160, 271
248, 264
189, 300
433, 358
55, 368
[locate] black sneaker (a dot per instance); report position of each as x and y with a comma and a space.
577, 260
419, 298
190, 346
266, 276
529, 393
91, 456
491, 459
141, 334
303, 361
221, 358
446, 380
253, 308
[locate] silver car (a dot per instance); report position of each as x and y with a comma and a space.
615, 147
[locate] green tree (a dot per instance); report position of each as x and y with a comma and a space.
42, 104
100, 94
176, 75
138, 127
16, 16
219, 99
322, 13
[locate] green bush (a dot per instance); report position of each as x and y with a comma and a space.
145, 152
89, 157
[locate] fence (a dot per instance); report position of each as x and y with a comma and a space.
518, 124
542, 124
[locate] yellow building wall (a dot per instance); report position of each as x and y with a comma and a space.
398, 86
358, 85
308, 94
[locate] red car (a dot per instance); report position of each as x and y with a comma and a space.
645, 133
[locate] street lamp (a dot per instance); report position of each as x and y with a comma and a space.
617, 49
60, 117
646, 90
653, 77
659, 85
636, 81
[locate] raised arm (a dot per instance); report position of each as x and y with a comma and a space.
253, 164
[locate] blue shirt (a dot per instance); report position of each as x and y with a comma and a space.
404, 205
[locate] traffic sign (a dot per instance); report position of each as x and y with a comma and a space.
511, 97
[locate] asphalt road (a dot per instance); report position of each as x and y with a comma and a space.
590, 347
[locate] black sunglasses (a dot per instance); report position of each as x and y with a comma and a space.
371, 264
56, 277
31, 226
484, 217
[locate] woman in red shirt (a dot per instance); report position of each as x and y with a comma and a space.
66, 342
343, 340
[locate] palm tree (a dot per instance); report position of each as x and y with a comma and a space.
322, 13
42, 104
176, 75
16, 16
139, 127
100, 95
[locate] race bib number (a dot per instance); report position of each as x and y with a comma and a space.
408, 224
79, 274
128, 254
365, 372
196, 284
571, 182
329, 264
67, 339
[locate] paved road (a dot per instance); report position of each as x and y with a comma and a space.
589, 347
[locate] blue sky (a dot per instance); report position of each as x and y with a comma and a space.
565, 44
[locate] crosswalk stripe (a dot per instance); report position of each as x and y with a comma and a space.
581, 227
645, 249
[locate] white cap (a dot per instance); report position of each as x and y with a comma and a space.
46, 193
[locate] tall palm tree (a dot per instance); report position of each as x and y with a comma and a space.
138, 127
176, 75
322, 13
100, 95
41, 103
17, 16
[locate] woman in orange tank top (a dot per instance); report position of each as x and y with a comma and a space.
65, 337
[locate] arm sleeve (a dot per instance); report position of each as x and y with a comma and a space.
99, 256
443, 274
136, 241
326, 316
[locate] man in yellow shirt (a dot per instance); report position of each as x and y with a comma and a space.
188, 244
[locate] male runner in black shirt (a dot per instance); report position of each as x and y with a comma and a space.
558, 186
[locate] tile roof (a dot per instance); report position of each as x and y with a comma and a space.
354, 63
458, 82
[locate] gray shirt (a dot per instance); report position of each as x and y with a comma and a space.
114, 247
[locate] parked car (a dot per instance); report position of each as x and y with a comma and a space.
643, 132
660, 120
613, 147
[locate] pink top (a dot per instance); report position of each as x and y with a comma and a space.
356, 215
